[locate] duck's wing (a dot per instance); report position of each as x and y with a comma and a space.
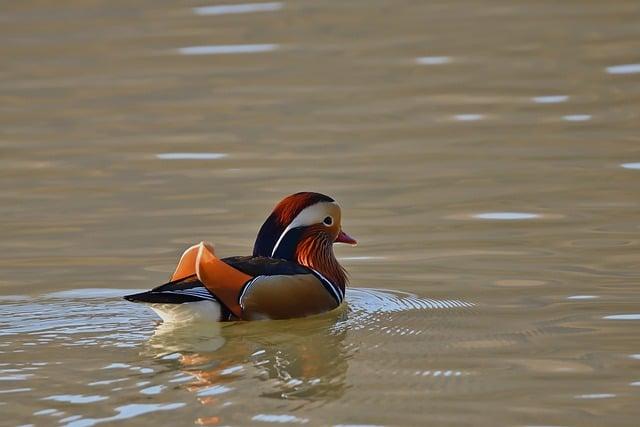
263, 266
283, 289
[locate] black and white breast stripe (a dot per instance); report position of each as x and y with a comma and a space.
333, 289
244, 290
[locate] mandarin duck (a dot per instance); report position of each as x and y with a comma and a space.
293, 271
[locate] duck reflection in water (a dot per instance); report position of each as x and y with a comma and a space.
292, 359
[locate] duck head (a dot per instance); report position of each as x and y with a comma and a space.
303, 228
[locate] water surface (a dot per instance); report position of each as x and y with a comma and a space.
485, 154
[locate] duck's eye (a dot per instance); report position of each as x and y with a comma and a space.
328, 221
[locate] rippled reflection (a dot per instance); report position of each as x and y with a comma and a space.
76, 398
550, 99
297, 360
577, 117
126, 412
224, 9
15, 390
191, 156
227, 49
633, 316
624, 69
433, 60
468, 117
631, 165
274, 418
506, 215
294, 359
596, 396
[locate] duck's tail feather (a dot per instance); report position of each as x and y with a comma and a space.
182, 301
186, 289
151, 297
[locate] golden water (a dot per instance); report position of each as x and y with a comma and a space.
477, 150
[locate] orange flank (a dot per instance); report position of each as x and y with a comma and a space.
222, 280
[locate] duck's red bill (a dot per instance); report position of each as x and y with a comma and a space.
345, 238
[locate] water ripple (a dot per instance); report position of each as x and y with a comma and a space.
224, 9
227, 49
15, 390
632, 316
550, 99
596, 396
126, 412
191, 156
75, 398
468, 117
576, 117
624, 69
156, 389
506, 215
582, 297
386, 301
433, 60
631, 165
282, 419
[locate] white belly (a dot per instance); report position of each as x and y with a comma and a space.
188, 327
188, 312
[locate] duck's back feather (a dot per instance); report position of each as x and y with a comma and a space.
264, 266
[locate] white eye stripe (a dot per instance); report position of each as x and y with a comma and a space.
313, 214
